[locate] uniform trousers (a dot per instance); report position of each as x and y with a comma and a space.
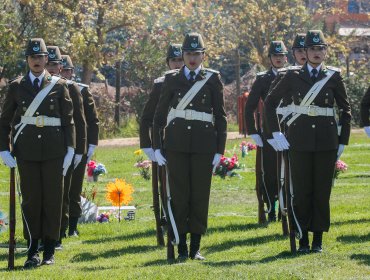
41, 184
190, 176
312, 178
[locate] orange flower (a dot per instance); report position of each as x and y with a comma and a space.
119, 192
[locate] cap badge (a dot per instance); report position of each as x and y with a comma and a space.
278, 48
177, 53
194, 45
316, 39
52, 55
301, 43
36, 48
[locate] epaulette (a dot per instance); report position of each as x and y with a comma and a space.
291, 67
171, 71
82, 85
14, 79
159, 80
336, 69
212, 70
261, 73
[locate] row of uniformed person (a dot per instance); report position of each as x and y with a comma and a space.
41, 116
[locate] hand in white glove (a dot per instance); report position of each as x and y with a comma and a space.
367, 130
77, 160
272, 142
160, 159
149, 153
340, 150
90, 151
68, 159
216, 161
257, 139
8, 159
281, 142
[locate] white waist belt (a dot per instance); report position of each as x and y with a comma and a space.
190, 115
311, 111
41, 121
282, 110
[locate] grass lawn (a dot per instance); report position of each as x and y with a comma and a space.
235, 246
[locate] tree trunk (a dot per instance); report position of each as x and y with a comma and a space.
87, 71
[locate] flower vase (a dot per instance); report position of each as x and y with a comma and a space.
95, 177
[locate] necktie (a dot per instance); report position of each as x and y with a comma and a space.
36, 85
192, 76
314, 74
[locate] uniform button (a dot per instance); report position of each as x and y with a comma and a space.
173, 123
331, 123
39, 136
37, 113
206, 125
313, 126
191, 104
189, 127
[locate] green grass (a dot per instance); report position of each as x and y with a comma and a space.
235, 246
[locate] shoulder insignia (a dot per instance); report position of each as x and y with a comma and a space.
171, 71
336, 69
82, 85
212, 70
261, 73
159, 80
19, 78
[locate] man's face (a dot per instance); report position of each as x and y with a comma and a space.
300, 56
175, 63
67, 73
37, 63
278, 60
53, 68
316, 54
193, 60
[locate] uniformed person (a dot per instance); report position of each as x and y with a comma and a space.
266, 163
92, 126
54, 67
194, 140
174, 61
43, 140
312, 135
365, 112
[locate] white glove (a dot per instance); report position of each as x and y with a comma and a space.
149, 153
216, 161
281, 142
367, 130
257, 139
160, 159
90, 151
340, 150
77, 160
8, 159
272, 142
68, 159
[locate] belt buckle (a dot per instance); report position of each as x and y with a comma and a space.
40, 121
188, 114
311, 112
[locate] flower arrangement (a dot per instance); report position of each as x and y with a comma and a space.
89, 192
245, 147
3, 222
103, 217
94, 170
118, 193
340, 167
227, 167
143, 165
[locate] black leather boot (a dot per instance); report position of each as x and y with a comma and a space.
304, 244
49, 250
317, 242
72, 229
183, 248
194, 247
272, 214
33, 259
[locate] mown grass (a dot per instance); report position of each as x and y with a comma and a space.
236, 247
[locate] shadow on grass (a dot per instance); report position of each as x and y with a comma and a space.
361, 258
352, 176
354, 238
359, 221
84, 257
282, 255
159, 262
4, 256
244, 242
147, 233
236, 227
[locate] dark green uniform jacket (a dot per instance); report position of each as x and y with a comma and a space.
38, 143
199, 136
91, 116
365, 109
